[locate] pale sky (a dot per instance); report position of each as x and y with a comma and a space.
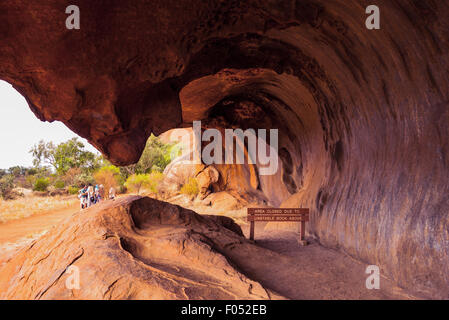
20, 129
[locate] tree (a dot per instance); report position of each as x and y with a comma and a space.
64, 156
42, 153
108, 176
70, 177
155, 157
84, 179
136, 181
71, 154
17, 171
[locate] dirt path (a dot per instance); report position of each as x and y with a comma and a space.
13, 230
16, 234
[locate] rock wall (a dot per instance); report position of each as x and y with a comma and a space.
363, 113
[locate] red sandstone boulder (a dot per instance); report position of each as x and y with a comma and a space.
133, 248
363, 113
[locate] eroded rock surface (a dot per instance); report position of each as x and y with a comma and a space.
134, 248
363, 114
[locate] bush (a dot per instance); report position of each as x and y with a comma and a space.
73, 190
30, 180
41, 184
71, 176
59, 184
150, 181
135, 182
190, 188
14, 194
108, 176
122, 189
155, 178
6, 186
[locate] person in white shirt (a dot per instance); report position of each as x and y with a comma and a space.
112, 193
90, 195
82, 195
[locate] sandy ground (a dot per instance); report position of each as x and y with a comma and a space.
313, 271
295, 272
16, 234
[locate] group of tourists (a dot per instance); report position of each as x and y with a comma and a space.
90, 195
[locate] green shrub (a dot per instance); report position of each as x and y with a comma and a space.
59, 184
73, 190
136, 182
155, 157
155, 179
190, 188
41, 184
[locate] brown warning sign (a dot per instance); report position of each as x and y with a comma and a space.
279, 211
279, 218
300, 215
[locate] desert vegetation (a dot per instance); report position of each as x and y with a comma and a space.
149, 181
59, 171
190, 188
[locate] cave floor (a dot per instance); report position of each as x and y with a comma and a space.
301, 272
313, 271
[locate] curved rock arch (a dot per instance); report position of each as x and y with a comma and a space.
372, 109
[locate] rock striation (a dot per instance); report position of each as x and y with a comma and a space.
134, 248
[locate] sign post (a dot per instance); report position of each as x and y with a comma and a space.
300, 215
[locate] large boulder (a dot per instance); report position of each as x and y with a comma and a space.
207, 177
133, 248
176, 174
